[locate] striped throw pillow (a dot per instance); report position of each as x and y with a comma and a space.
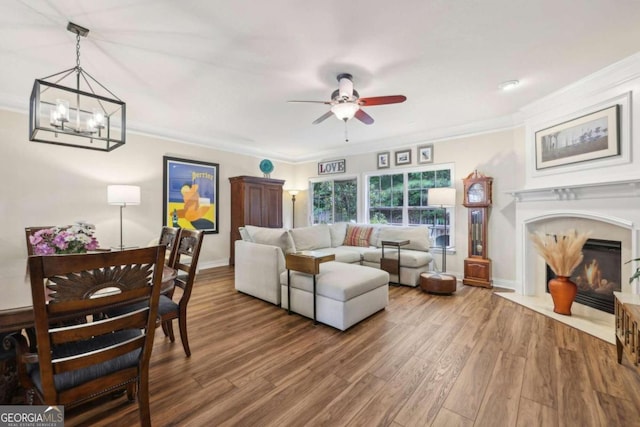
357, 236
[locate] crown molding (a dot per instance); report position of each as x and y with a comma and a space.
610, 77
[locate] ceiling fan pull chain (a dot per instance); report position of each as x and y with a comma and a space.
346, 133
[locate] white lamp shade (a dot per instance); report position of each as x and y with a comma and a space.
294, 192
444, 196
123, 195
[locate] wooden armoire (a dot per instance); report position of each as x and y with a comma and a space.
254, 201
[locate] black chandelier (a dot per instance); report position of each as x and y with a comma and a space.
84, 115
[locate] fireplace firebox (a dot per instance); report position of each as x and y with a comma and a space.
598, 275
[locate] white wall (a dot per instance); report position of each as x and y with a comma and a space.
46, 184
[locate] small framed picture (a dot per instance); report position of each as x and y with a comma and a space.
403, 157
383, 160
425, 153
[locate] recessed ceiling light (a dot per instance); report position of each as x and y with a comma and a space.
509, 84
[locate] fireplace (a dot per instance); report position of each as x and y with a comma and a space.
598, 275
610, 211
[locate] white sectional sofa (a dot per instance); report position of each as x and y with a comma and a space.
260, 256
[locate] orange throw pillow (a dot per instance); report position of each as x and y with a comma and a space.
357, 236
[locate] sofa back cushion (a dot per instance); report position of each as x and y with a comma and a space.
338, 231
357, 235
310, 238
418, 236
271, 236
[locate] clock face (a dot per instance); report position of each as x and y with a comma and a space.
476, 193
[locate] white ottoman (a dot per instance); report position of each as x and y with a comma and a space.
345, 293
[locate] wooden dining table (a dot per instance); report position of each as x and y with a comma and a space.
16, 310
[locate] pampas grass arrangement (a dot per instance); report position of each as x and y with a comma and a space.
563, 251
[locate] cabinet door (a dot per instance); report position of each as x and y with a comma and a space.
254, 204
272, 207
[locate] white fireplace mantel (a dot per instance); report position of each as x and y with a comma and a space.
608, 210
605, 190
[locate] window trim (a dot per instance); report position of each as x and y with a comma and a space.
405, 207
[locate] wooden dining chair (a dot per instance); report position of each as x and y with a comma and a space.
169, 237
80, 353
186, 263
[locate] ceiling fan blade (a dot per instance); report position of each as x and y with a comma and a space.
314, 102
381, 100
363, 117
323, 117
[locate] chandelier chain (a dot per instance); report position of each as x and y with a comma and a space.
78, 50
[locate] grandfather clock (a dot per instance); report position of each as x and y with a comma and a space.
477, 198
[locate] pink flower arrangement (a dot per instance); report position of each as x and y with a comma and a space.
71, 239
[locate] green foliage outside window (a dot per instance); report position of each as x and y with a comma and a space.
386, 197
335, 201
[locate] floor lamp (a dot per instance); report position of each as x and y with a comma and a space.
123, 195
293, 207
444, 197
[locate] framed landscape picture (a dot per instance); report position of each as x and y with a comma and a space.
403, 157
383, 160
190, 194
589, 137
425, 153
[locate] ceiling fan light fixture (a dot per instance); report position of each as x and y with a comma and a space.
345, 110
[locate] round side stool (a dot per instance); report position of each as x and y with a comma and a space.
438, 283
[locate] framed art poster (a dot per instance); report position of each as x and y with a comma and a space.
190, 194
589, 137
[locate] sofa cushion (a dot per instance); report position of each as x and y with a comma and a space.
375, 234
357, 235
418, 236
271, 236
348, 254
311, 238
244, 234
408, 257
339, 281
338, 231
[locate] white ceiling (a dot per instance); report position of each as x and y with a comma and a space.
219, 73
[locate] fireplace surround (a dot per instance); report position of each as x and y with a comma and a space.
611, 211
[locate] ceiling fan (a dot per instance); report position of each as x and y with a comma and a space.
346, 102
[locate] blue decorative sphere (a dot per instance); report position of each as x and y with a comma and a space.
266, 166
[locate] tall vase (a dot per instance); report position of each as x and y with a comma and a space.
563, 291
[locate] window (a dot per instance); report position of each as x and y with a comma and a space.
386, 199
401, 198
334, 200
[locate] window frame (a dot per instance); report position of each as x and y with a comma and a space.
405, 208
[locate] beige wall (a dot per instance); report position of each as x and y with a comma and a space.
46, 184
498, 154
51, 185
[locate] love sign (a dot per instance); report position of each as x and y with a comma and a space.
331, 167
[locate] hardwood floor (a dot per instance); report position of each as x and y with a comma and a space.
471, 359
